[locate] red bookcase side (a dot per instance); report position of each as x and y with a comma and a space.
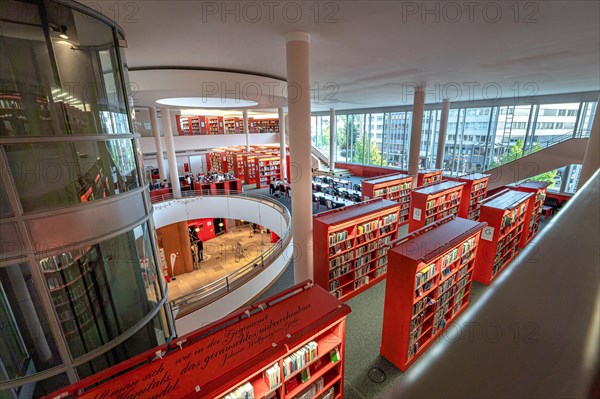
426, 177
532, 223
474, 191
434, 202
505, 214
249, 168
428, 286
267, 168
350, 246
395, 187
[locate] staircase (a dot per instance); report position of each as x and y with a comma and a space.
323, 165
555, 156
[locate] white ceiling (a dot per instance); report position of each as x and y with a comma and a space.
371, 52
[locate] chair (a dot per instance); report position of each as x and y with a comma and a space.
329, 204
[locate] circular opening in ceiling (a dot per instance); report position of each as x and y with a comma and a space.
206, 102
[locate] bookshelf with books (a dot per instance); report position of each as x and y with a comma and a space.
267, 168
183, 125
198, 125
395, 187
349, 246
249, 167
217, 161
425, 177
235, 163
505, 214
215, 125
303, 359
434, 202
428, 286
474, 191
536, 206
232, 125
265, 125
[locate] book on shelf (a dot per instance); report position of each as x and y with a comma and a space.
273, 375
334, 355
245, 391
300, 358
305, 375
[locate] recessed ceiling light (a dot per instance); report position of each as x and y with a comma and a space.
207, 102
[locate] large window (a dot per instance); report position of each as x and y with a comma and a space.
477, 138
320, 133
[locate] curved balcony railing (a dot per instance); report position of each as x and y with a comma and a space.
217, 289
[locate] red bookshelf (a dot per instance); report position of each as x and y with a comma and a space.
233, 125
428, 286
395, 187
426, 177
505, 215
249, 167
218, 359
267, 168
183, 126
434, 202
265, 125
349, 246
215, 125
474, 191
217, 161
536, 206
235, 163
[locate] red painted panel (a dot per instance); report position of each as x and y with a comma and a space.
205, 363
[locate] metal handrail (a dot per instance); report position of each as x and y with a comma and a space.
224, 285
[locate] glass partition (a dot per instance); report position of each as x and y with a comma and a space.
101, 290
55, 175
27, 344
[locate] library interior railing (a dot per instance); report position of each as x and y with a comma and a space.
219, 288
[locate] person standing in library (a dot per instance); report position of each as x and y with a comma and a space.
200, 248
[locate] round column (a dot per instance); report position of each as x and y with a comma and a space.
159, 147
332, 138
282, 145
415, 135
439, 159
165, 116
246, 129
298, 77
591, 159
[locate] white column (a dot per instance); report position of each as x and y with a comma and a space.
591, 159
298, 78
332, 138
246, 129
165, 117
282, 150
415, 134
439, 159
159, 147
32, 323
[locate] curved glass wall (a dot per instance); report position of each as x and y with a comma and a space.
55, 175
65, 124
